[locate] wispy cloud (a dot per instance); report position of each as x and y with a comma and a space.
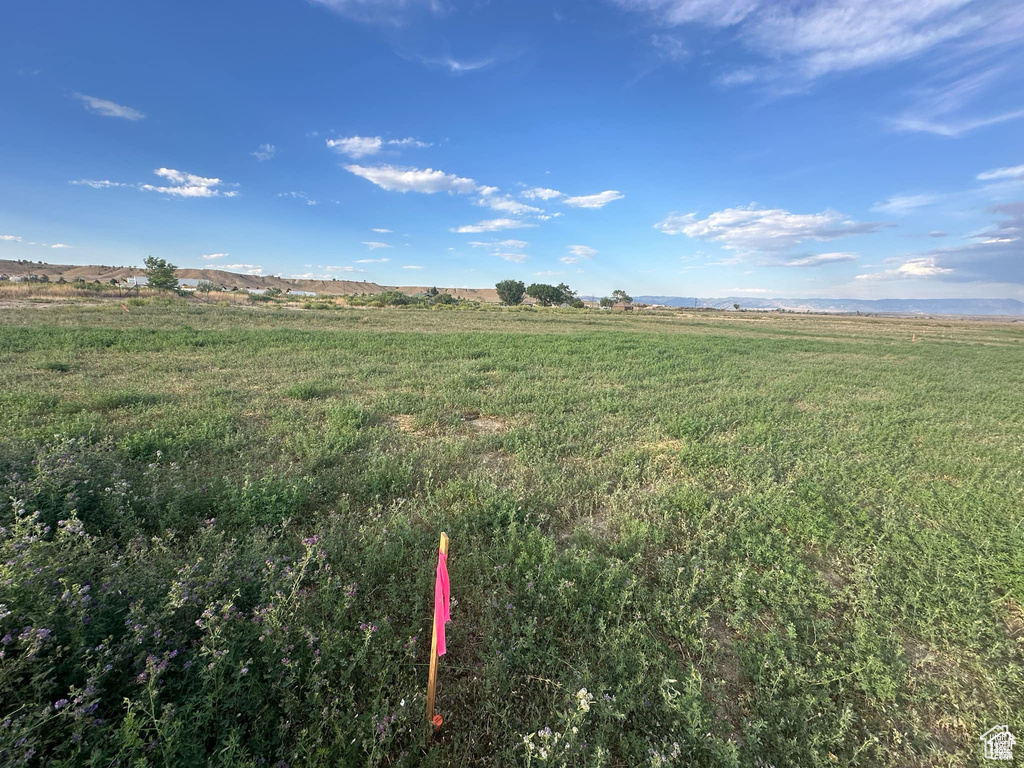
459, 66
797, 43
265, 152
957, 102
821, 259
514, 256
213, 256
411, 266
389, 12
299, 196
100, 183
381, 230
509, 250
600, 200
108, 108
372, 261
60, 245
361, 146
754, 229
505, 204
374, 244
578, 252
494, 225
1015, 172
900, 204
12, 238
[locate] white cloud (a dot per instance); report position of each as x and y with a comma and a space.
1000, 174
265, 152
372, 261
60, 245
109, 108
749, 228
361, 146
12, 238
427, 181
100, 183
411, 266
374, 244
548, 273
345, 268
748, 290
513, 243
925, 266
299, 196
356, 146
599, 200
187, 185
493, 225
249, 269
212, 256
904, 203
820, 259
578, 252
382, 231
507, 205
541, 193
515, 256
409, 142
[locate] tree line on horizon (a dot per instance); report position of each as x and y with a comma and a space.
512, 292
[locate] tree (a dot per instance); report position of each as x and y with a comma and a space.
568, 294
205, 286
511, 291
736, 307
545, 294
622, 296
161, 275
577, 304
607, 302
432, 291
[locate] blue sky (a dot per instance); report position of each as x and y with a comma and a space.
839, 148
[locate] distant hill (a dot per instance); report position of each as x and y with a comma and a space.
1011, 307
230, 280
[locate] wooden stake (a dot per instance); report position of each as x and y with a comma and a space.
432, 680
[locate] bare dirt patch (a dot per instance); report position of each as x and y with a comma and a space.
482, 423
728, 672
405, 423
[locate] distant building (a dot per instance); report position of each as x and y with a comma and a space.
302, 293
137, 280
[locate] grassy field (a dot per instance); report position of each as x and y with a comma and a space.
699, 539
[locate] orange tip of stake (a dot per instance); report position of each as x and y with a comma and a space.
438, 721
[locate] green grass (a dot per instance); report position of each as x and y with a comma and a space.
753, 539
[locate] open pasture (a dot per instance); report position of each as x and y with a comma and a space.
682, 539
